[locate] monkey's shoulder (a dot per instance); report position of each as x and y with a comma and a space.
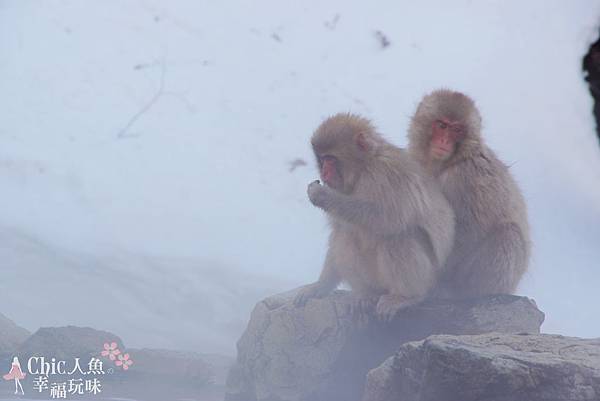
483, 168
482, 189
400, 172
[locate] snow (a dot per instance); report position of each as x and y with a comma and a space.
168, 230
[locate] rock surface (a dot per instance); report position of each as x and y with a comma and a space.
154, 375
320, 352
148, 364
67, 342
490, 367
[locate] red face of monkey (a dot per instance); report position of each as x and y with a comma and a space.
330, 171
445, 136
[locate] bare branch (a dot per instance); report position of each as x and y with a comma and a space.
124, 132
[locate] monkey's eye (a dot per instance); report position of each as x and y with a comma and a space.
457, 129
442, 124
326, 159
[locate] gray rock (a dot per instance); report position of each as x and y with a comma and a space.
155, 374
11, 336
67, 342
319, 352
490, 367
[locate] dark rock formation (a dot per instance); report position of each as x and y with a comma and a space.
490, 367
591, 67
319, 352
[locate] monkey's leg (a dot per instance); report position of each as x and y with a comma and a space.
327, 282
495, 267
409, 271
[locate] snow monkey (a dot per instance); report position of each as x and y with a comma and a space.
492, 246
391, 227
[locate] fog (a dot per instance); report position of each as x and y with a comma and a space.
146, 148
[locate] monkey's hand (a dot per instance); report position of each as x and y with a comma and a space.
318, 194
314, 290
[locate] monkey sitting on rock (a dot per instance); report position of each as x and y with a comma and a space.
445, 220
391, 227
492, 246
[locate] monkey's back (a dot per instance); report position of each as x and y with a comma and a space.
482, 190
485, 196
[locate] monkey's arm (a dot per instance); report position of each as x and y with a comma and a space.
345, 207
328, 281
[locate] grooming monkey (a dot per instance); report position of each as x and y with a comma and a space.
492, 246
391, 227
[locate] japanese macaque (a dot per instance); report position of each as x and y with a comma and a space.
391, 227
491, 244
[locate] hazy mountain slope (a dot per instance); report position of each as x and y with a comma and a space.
168, 303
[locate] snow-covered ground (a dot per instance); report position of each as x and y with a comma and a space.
145, 148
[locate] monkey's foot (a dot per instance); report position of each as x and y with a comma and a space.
314, 290
389, 305
361, 304
362, 308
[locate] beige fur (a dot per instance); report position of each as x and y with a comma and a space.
391, 228
492, 244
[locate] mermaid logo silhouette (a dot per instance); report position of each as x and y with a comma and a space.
15, 374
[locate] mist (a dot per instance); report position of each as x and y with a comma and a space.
146, 148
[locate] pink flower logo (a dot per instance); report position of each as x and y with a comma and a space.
114, 353
111, 350
124, 361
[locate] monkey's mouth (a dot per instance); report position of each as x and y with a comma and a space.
332, 179
329, 183
440, 152
332, 183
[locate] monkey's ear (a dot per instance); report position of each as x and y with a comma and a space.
363, 143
